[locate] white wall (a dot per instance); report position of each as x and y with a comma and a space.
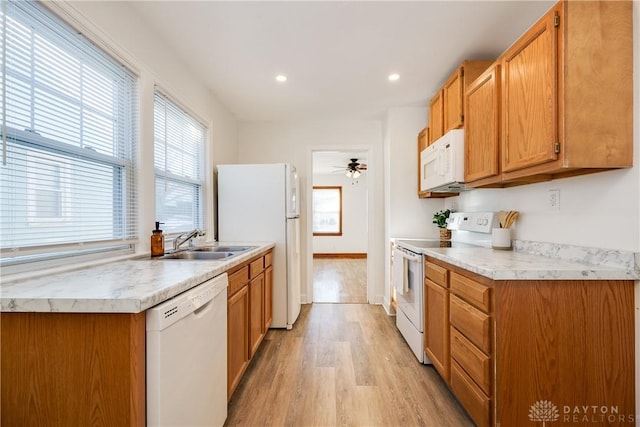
597, 210
294, 142
117, 28
354, 216
407, 215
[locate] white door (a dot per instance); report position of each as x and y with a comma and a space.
410, 297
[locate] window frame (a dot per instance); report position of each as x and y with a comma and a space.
72, 153
165, 176
340, 210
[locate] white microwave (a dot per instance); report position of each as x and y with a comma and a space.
442, 164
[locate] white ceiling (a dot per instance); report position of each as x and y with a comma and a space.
337, 55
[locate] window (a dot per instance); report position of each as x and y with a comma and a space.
327, 211
178, 147
69, 124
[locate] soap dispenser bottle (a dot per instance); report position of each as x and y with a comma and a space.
157, 241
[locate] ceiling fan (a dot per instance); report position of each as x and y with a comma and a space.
353, 169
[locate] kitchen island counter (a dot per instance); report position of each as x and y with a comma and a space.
129, 286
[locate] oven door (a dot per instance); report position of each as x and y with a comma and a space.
408, 282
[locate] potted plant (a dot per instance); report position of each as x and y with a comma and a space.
440, 220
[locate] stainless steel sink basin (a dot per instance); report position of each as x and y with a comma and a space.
206, 253
200, 255
221, 248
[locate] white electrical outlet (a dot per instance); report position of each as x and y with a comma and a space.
553, 200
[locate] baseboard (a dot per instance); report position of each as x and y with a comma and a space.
341, 255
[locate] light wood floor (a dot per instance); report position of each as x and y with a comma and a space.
340, 280
341, 365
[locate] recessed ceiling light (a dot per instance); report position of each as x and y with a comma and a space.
393, 77
281, 78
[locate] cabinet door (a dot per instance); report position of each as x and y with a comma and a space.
423, 142
73, 369
268, 298
436, 110
482, 127
237, 338
452, 102
437, 327
256, 313
529, 103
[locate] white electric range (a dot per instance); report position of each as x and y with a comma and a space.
408, 271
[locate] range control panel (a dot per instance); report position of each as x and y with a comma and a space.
479, 222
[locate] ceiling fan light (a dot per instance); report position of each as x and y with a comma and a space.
348, 174
356, 174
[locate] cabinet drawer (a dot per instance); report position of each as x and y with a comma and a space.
470, 396
268, 259
473, 361
256, 267
471, 291
238, 279
436, 274
474, 324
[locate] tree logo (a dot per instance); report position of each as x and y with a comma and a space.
543, 410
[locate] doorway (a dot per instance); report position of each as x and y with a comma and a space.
339, 226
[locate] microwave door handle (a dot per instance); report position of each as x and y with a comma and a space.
446, 159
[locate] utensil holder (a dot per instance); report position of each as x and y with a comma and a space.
501, 238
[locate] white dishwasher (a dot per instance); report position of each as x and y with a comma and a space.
187, 357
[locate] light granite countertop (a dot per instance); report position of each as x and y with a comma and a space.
534, 261
129, 286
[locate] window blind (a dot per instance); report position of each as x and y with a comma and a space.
69, 129
178, 151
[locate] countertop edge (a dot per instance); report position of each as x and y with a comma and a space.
558, 269
44, 303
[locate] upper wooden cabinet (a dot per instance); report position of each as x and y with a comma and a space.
423, 142
436, 116
567, 93
482, 129
454, 89
446, 109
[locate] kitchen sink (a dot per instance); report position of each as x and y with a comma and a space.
199, 255
207, 252
222, 248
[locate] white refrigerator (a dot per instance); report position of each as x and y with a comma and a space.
260, 202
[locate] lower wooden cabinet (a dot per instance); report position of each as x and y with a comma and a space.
477, 404
515, 343
72, 369
470, 358
237, 338
268, 296
256, 313
250, 311
437, 326
570, 343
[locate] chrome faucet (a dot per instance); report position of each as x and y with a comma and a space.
186, 237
